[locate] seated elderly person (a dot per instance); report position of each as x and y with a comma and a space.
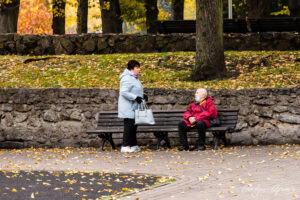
198, 114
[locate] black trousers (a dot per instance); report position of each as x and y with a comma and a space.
129, 135
183, 129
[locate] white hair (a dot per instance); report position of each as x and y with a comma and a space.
202, 91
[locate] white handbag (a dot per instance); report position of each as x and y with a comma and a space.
143, 115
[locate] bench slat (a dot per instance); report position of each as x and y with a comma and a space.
115, 117
156, 119
165, 121
169, 111
148, 127
179, 111
175, 123
159, 115
153, 129
164, 115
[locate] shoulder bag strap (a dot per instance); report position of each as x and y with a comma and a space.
201, 107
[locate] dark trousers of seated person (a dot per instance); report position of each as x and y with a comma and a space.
183, 129
129, 135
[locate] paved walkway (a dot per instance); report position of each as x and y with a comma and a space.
261, 172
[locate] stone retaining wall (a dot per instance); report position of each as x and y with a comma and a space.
60, 117
125, 43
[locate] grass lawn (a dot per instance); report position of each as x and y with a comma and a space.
247, 69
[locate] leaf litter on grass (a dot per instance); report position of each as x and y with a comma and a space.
247, 69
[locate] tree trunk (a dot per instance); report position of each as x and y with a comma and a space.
209, 41
9, 14
151, 15
59, 20
111, 16
177, 9
82, 16
294, 7
258, 8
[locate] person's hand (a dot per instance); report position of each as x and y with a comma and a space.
146, 97
192, 120
139, 99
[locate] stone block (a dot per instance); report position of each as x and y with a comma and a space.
19, 133
42, 106
111, 41
44, 43
289, 118
102, 44
240, 126
84, 100
291, 132
50, 116
6, 37
20, 117
179, 107
88, 115
282, 101
34, 121
252, 120
6, 107
160, 99
89, 45
280, 109
241, 138
8, 120
22, 107
76, 115
54, 141
58, 49
264, 102
265, 112
1, 136
67, 45
244, 111
267, 134
294, 110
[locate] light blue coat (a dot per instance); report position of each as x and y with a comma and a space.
130, 88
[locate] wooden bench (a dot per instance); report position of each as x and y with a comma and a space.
276, 24
166, 122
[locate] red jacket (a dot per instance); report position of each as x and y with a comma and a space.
210, 111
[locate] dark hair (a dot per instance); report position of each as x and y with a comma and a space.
132, 63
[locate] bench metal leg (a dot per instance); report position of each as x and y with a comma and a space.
160, 136
223, 138
219, 135
102, 144
166, 138
111, 142
106, 137
217, 140
158, 143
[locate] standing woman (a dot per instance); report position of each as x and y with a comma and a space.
131, 94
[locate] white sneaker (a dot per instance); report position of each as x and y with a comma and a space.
136, 148
126, 149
